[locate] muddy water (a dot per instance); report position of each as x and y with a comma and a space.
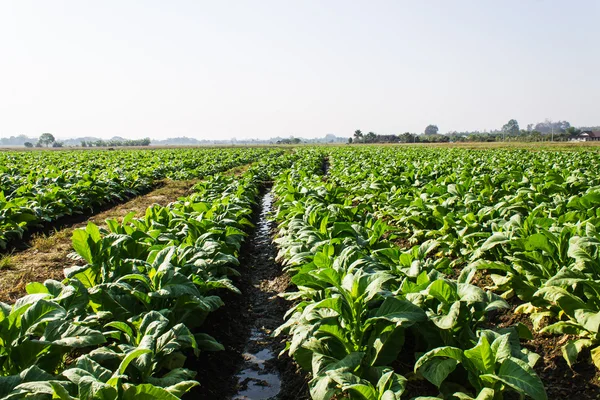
259, 378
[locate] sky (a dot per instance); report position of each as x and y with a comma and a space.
266, 68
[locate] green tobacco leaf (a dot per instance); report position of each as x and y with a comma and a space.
539, 241
485, 394
173, 378
365, 392
87, 277
563, 328
132, 355
446, 351
496, 239
482, 356
333, 303
181, 388
322, 261
437, 370
36, 287
81, 245
443, 291
60, 390
208, 343
392, 385
519, 375
571, 350
387, 345
42, 311
77, 336
398, 311
596, 356
91, 388
523, 331
93, 232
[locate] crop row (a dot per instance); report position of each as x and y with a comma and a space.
41, 187
127, 316
528, 220
371, 321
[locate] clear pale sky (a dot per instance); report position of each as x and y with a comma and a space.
258, 69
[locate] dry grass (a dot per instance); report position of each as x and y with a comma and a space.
47, 242
237, 171
6, 262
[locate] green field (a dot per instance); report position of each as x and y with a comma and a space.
428, 272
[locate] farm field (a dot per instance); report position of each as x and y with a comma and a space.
361, 272
38, 188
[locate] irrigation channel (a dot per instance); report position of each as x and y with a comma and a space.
250, 368
259, 379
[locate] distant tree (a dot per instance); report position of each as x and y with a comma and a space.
370, 137
46, 139
511, 127
431, 130
358, 136
349, 140
28, 144
548, 126
572, 131
83, 143
57, 144
38, 144
529, 127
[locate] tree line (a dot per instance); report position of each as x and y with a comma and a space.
511, 131
48, 140
430, 135
115, 143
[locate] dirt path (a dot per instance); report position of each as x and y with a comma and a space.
250, 368
47, 256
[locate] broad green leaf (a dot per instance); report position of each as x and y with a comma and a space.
132, 355
436, 370
519, 375
81, 245
572, 348
482, 356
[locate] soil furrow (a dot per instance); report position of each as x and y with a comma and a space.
47, 256
250, 367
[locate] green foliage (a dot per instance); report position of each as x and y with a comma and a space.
120, 325
360, 297
42, 187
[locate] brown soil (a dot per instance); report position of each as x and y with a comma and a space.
482, 279
47, 255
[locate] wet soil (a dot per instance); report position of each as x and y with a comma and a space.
250, 367
325, 168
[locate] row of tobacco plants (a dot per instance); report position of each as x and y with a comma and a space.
527, 220
125, 318
372, 320
41, 187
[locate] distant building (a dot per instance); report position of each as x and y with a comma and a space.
587, 136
